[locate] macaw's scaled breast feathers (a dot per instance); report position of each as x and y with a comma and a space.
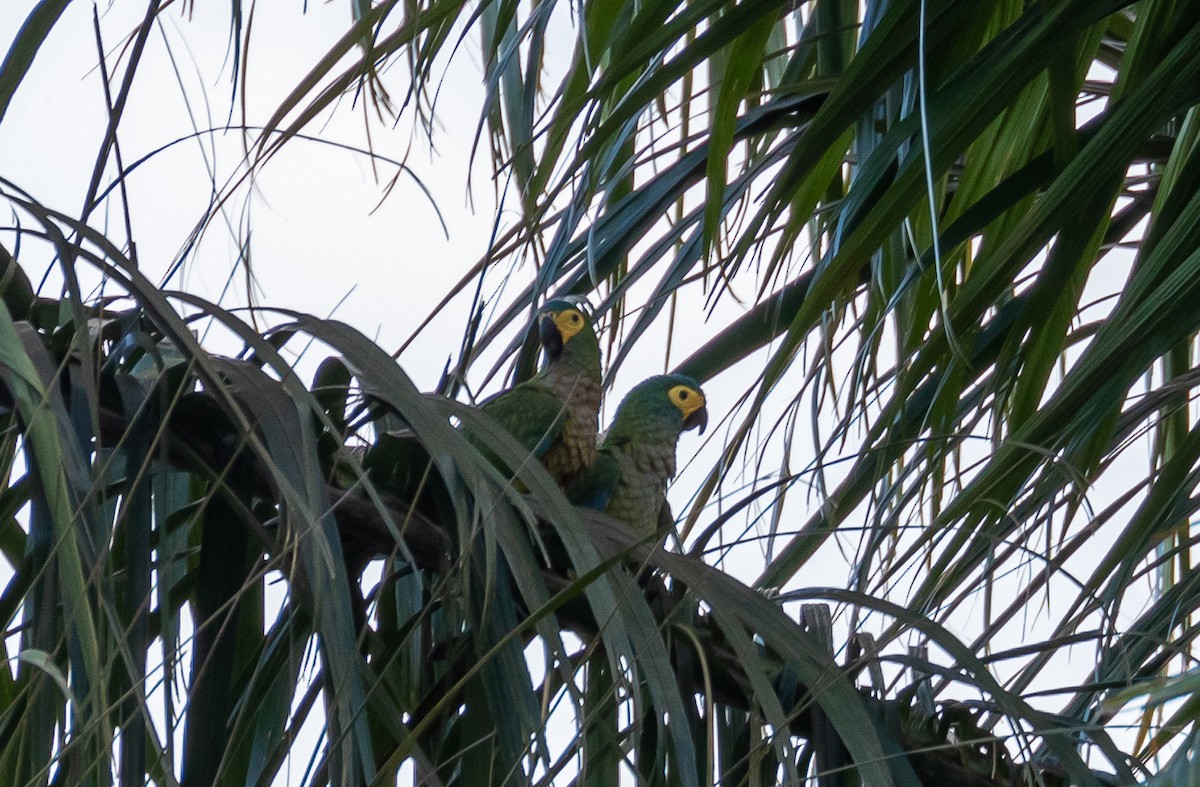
556, 413
636, 461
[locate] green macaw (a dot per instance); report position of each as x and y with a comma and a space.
556, 413
635, 462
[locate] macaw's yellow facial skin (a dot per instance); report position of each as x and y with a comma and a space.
560, 321
690, 401
569, 322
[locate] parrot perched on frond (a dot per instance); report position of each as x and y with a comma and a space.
556, 413
636, 460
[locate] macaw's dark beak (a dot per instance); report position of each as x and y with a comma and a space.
697, 419
548, 333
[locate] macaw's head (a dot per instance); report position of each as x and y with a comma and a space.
565, 325
667, 401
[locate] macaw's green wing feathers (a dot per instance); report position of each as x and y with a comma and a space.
531, 414
400, 464
594, 487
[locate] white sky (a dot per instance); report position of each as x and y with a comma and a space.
317, 238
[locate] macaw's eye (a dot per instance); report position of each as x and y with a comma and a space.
576, 319
683, 395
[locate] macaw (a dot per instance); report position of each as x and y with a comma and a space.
556, 413
628, 480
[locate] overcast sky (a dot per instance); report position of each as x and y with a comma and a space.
325, 239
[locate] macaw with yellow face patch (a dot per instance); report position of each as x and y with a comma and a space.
636, 460
556, 413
